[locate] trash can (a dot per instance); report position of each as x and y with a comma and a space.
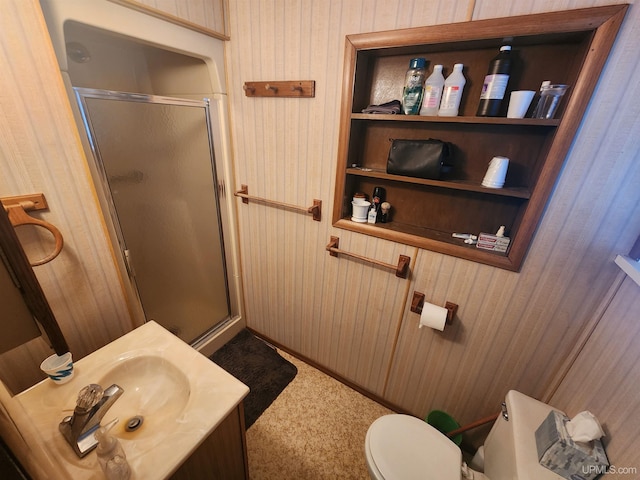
445, 423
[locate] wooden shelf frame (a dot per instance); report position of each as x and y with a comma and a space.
454, 185
583, 36
553, 122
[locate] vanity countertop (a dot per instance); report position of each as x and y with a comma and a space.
154, 451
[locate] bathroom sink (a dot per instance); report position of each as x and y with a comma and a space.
180, 395
155, 395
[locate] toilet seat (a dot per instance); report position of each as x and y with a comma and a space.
402, 447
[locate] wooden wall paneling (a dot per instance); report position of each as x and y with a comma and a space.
360, 323
531, 321
513, 329
604, 379
340, 313
285, 149
205, 16
497, 342
41, 152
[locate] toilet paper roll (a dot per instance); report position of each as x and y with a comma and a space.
433, 316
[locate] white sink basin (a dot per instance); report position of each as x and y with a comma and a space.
155, 391
181, 395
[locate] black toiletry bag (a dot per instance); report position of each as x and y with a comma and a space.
419, 158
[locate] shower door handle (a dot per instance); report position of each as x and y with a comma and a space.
127, 262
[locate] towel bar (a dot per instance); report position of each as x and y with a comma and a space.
401, 269
315, 209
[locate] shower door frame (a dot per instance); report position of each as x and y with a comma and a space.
105, 195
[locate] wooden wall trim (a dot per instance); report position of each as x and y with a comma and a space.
154, 12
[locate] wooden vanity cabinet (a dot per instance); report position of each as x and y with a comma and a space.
222, 455
568, 47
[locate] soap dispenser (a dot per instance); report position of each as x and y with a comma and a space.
111, 456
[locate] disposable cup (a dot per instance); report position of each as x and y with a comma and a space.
360, 210
519, 103
496, 173
59, 368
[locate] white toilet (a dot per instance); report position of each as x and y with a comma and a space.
402, 447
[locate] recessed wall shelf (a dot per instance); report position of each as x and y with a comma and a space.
454, 184
553, 122
569, 47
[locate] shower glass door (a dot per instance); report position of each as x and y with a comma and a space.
155, 157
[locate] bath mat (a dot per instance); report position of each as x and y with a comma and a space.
260, 367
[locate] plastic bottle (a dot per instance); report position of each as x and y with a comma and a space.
413, 86
536, 110
452, 93
379, 196
432, 92
495, 84
372, 215
111, 457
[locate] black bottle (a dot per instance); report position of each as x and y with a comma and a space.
495, 84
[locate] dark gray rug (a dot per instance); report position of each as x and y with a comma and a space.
260, 367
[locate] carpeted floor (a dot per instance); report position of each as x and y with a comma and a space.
314, 430
258, 366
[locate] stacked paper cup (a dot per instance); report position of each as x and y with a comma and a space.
496, 173
360, 210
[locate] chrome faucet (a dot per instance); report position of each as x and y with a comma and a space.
91, 406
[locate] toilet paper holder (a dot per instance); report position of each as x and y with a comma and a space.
418, 301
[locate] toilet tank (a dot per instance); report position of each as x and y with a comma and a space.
510, 449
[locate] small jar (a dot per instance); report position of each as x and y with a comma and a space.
359, 197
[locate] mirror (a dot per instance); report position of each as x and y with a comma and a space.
19, 326
20, 274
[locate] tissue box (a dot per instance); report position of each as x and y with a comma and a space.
569, 459
486, 241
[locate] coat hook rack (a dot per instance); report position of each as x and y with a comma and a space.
417, 302
401, 269
17, 207
289, 88
315, 209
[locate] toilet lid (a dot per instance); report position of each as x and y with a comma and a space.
404, 448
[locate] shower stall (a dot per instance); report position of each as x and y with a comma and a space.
155, 159
151, 106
